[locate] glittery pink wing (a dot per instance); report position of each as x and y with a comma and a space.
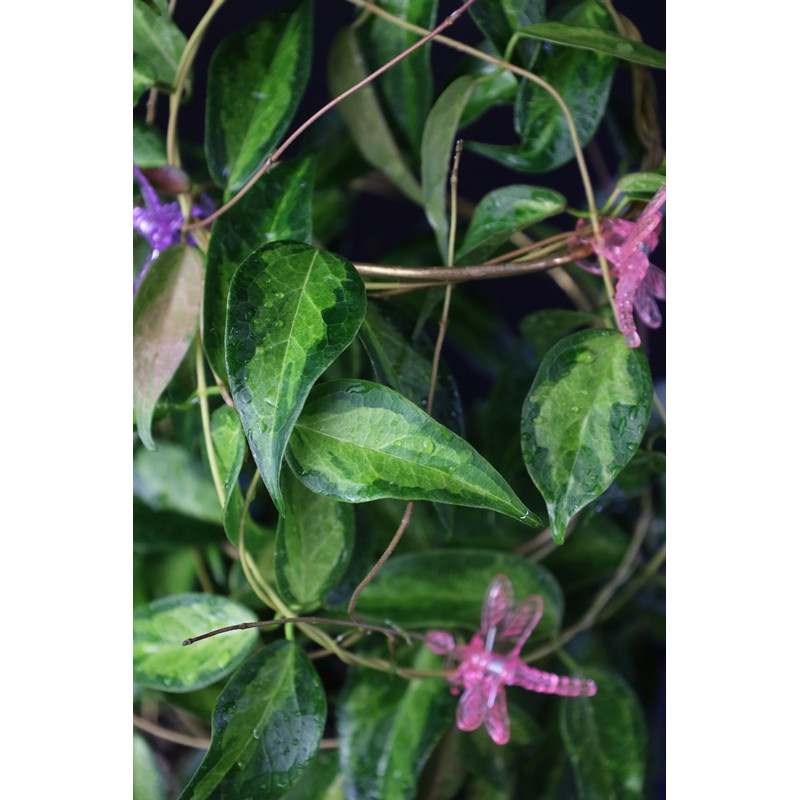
497, 718
498, 602
652, 286
548, 683
656, 282
519, 622
472, 708
648, 221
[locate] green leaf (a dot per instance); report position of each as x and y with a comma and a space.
157, 40
388, 727
502, 213
360, 441
313, 545
599, 41
166, 531
268, 722
408, 86
160, 661
166, 312
582, 78
228, 439
321, 779
363, 117
437, 151
500, 20
148, 782
144, 76
605, 737
256, 80
404, 364
404, 593
292, 310
544, 328
277, 207
171, 479
583, 419
149, 146
640, 185
493, 87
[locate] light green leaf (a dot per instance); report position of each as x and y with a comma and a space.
149, 146
277, 207
583, 419
640, 185
313, 545
256, 80
388, 727
268, 722
292, 310
160, 661
437, 152
359, 441
144, 77
502, 213
404, 594
606, 739
599, 41
363, 117
166, 312
148, 782
157, 40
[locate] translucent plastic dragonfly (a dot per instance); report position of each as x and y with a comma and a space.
627, 245
487, 665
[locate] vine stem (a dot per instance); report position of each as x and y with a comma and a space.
275, 155
169, 735
202, 393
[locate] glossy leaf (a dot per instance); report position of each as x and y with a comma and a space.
256, 80
362, 114
267, 722
437, 155
599, 41
388, 727
157, 40
166, 312
502, 213
500, 20
493, 87
582, 78
583, 419
640, 185
544, 328
313, 545
407, 87
292, 310
403, 593
321, 780
148, 782
171, 479
159, 659
277, 207
359, 441
605, 737
404, 364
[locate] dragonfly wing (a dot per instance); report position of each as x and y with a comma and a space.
497, 718
499, 600
520, 621
646, 307
471, 709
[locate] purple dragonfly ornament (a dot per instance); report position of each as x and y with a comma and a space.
486, 665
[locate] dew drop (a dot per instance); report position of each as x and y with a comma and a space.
575, 409
428, 446
256, 734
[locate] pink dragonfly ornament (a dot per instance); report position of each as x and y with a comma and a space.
485, 669
627, 245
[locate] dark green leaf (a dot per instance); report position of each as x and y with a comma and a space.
582, 78
292, 310
640, 185
405, 365
360, 441
501, 214
166, 312
403, 592
313, 546
256, 80
388, 727
493, 87
144, 76
157, 40
406, 87
583, 419
228, 439
605, 736
148, 782
165, 531
268, 722
277, 207
543, 329
171, 479
500, 20
149, 146
362, 114
159, 659
321, 779
600, 41
437, 152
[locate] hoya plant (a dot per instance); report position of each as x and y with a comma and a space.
398, 407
